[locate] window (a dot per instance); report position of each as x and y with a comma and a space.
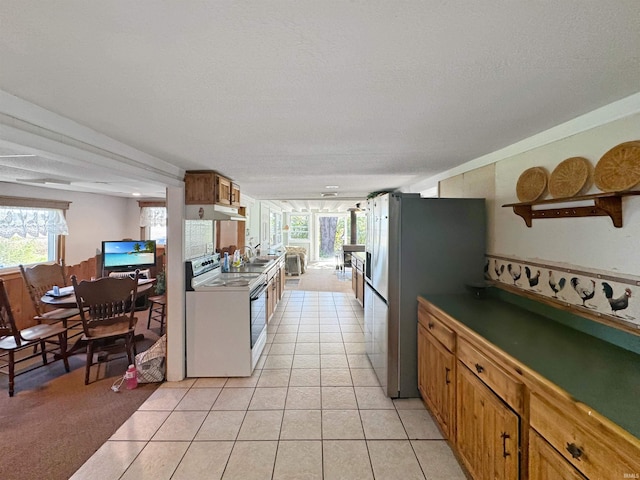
276, 229
361, 228
153, 221
30, 231
159, 234
18, 250
299, 227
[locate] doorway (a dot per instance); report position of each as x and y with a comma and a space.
332, 235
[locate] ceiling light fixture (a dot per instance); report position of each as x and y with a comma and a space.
17, 156
332, 186
136, 194
330, 194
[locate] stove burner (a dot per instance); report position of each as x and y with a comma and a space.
204, 273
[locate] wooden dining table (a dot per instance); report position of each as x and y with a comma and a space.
69, 301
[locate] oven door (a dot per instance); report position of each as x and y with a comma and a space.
258, 312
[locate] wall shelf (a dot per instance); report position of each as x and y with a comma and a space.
604, 204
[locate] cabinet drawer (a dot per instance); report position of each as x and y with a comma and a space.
491, 374
435, 327
593, 450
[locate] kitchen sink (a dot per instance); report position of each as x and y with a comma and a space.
230, 276
260, 261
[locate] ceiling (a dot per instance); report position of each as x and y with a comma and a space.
288, 97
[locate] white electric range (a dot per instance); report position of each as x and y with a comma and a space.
225, 318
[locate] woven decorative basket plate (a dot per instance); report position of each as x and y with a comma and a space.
531, 184
619, 168
570, 177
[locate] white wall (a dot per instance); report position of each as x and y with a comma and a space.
252, 226
91, 218
266, 209
592, 242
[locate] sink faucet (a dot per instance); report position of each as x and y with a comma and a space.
250, 254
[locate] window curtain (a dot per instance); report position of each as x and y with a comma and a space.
153, 217
32, 222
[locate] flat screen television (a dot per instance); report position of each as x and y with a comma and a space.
125, 255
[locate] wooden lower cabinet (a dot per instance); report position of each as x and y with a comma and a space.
546, 463
275, 287
581, 439
283, 280
272, 294
357, 278
360, 287
423, 363
504, 420
353, 277
487, 430
435, 378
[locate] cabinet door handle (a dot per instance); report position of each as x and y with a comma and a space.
479, 368
504, 436
430, 325
575, 451
447, 371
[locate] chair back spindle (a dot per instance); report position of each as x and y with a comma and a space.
7, 321
106, 301
41, 278
44, 341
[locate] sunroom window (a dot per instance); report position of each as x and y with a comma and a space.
299, 227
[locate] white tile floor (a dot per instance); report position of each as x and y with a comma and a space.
313, 409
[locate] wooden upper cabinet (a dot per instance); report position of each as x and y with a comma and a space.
235, 195
223, 190
199, 188
208, 188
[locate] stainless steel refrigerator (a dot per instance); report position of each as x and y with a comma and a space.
415, 246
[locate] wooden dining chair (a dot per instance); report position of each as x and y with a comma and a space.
51, 338
41, 278
107, 308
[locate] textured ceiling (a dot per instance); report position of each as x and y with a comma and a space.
286, 97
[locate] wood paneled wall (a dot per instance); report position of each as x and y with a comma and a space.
19, 296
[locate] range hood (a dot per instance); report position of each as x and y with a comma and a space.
213, 212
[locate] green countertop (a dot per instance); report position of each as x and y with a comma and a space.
597, 373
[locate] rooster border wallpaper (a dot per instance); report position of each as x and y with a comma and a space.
614, 296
